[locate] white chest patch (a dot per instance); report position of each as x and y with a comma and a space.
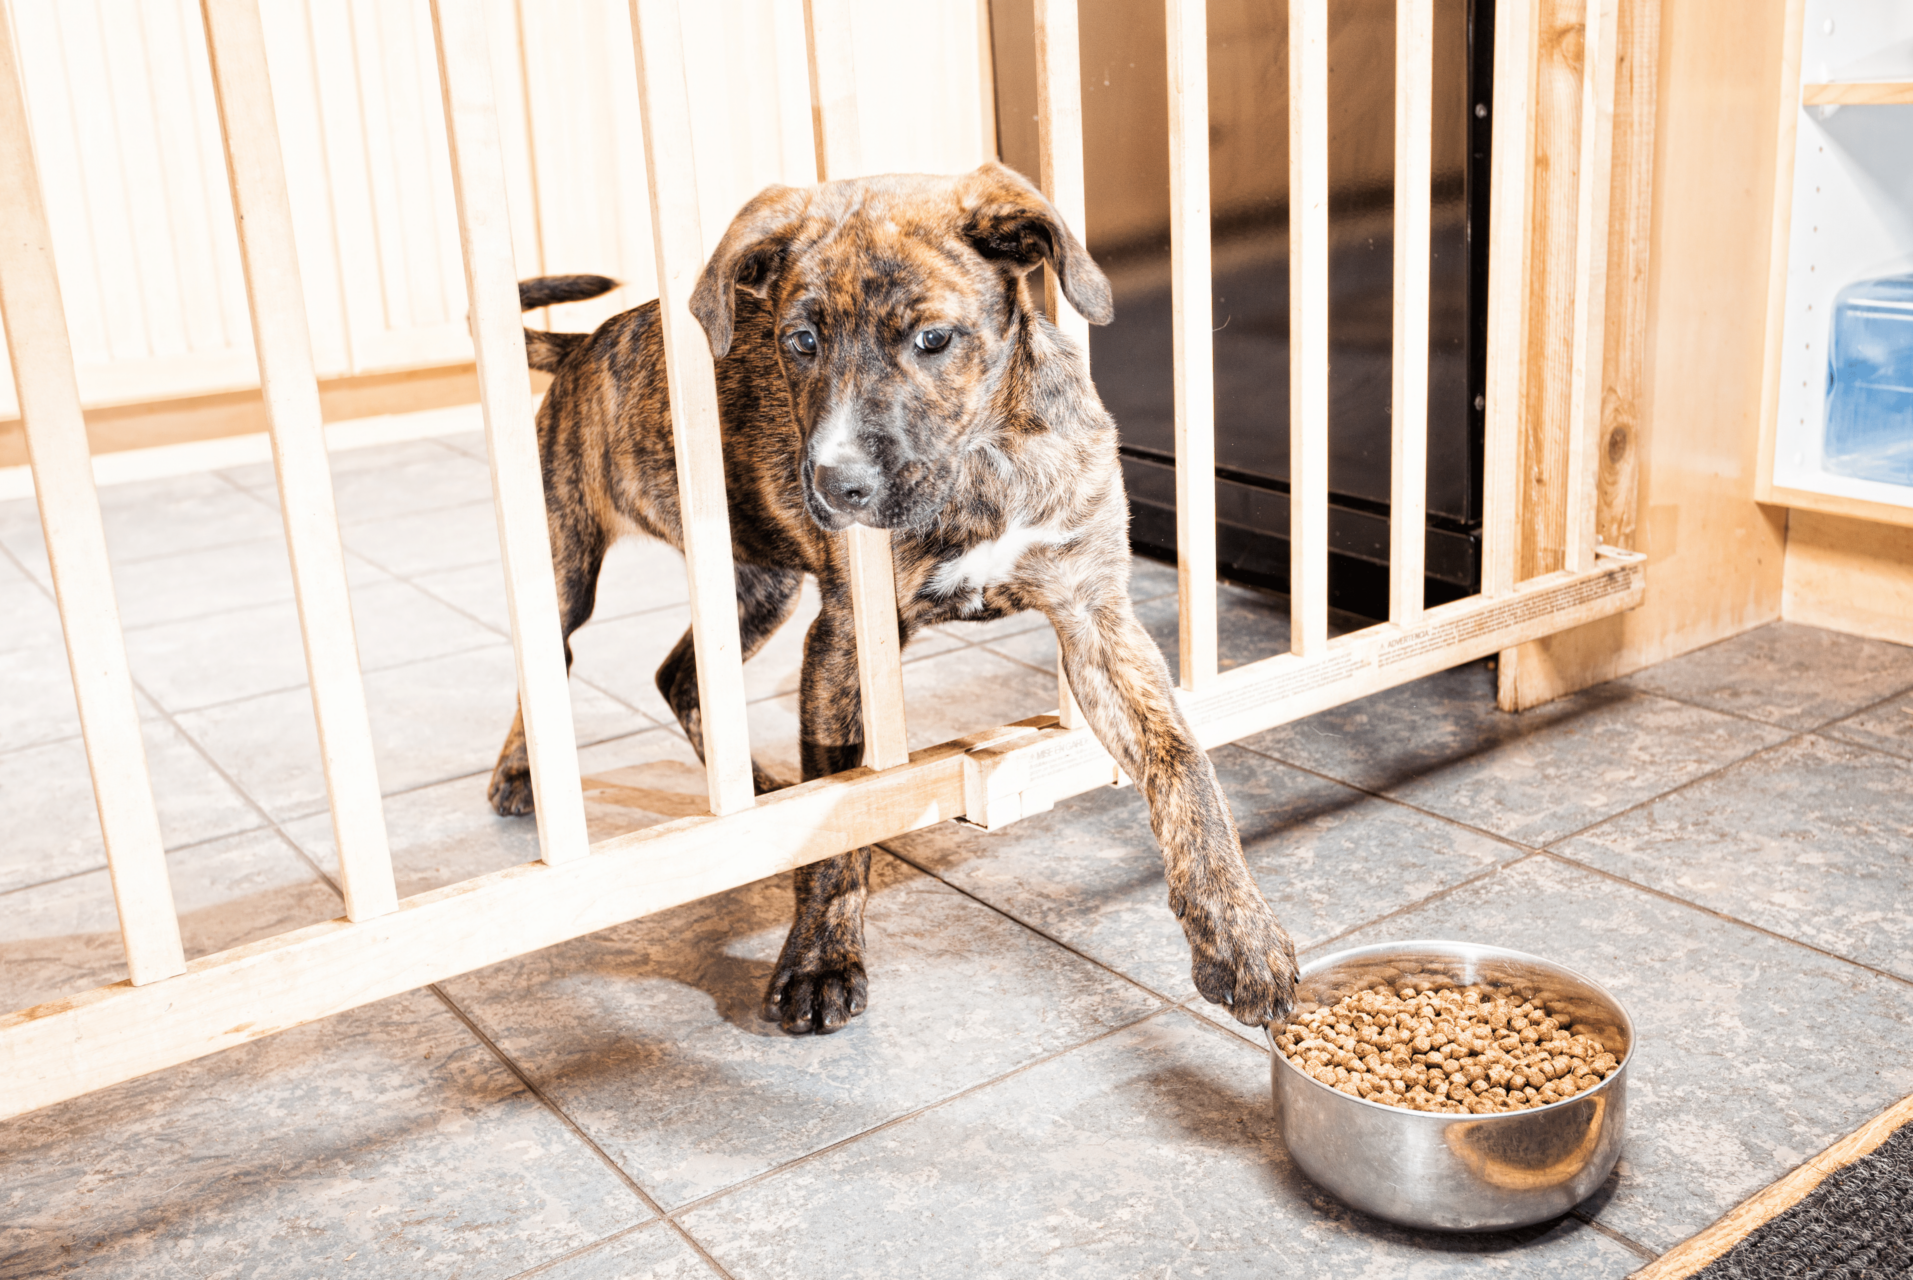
988, 563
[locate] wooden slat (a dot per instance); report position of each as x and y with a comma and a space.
665, 104
72, 1046
1877, 94
49, 396
262, 210
1588, 374
873, 584
1414, 175
1630, 234
1308, 326
1059, 172
478, 182
1192, 340
1509, 200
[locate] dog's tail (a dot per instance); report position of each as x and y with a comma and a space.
547, 351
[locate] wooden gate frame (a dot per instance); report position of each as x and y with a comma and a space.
171, 1010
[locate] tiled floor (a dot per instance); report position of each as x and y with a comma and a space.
1726, 841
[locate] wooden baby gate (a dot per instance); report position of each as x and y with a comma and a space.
171, 1010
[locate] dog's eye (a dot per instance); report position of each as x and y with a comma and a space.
933, 339
802, 343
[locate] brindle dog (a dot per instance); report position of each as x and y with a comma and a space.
879, 360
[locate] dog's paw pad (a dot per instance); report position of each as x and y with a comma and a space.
510, 793
819, 1001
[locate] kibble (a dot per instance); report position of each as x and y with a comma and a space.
1449, 1049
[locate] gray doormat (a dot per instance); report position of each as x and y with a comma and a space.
1858, 1223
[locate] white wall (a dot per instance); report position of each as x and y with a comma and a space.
127, 137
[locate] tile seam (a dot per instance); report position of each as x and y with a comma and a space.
550, 1104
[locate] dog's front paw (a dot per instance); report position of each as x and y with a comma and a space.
510, 790
821, 995
1241, 958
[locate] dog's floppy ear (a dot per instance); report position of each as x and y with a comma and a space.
1007, 220
748, 257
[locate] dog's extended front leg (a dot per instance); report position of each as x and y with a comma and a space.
1241, 957
819, 983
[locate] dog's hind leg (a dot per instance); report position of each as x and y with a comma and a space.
819, 983
578, 545
765, 600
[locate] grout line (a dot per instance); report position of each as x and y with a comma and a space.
1675, 790
926, 1108
545, 1267
1724, 918
169, 852
1639, 1250
532, 1087
1169, 1001
1418, 904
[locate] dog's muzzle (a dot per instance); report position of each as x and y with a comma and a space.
847, 493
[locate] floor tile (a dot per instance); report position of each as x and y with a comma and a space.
443, 834
653, 1251
1784, 673
383, 1142
1885, 727
245, 652
648, 1035
151, 519
1440, 743
63, 938
945, 697
431, 722
28, 618
54, 826
1089, 872
1149, 1153
1813, 839
389, 480
428, 541
1737, 1077
638, 576
215, 580
38, 706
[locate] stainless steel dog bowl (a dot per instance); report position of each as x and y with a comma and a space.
1457, 1172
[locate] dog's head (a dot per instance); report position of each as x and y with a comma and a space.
895, 304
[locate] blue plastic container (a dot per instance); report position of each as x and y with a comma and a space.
1869, 431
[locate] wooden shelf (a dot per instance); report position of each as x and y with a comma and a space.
1875, 93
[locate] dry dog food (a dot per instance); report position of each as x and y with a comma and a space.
1452, 1049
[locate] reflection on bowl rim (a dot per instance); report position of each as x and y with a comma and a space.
1498, 953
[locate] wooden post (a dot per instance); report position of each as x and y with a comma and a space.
1308, 326
43, 376
873, 582
1185, 24
665, 102
1059, 163
263, 213
1509, 199
498, 337
1589, 339
1414, 176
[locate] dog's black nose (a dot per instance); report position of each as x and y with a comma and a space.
848, 488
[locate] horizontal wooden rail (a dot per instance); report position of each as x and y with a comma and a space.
1883, 93
72, 1046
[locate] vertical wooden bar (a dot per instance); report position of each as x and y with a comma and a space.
1059, 165
43, 377
263, 213
1509, 199
1186, 27
1308, 326
1589, 366
664, 100
1630, 232
1414, 174
498, 336
873, 584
